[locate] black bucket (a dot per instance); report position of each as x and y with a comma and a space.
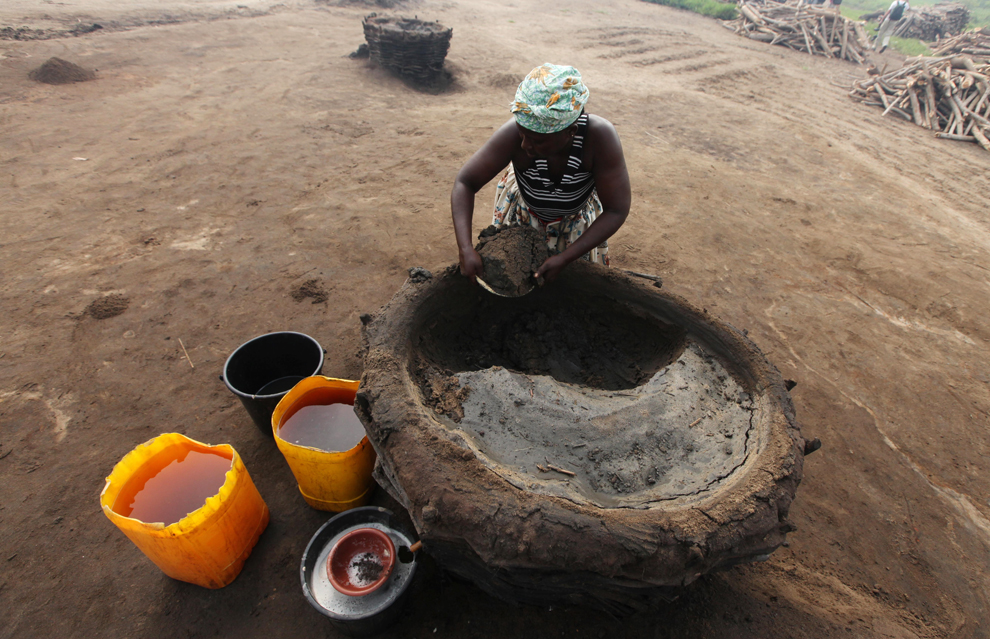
260, 372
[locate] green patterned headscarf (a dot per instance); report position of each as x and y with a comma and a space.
550, 99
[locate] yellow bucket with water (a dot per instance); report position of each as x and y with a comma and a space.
209, 545
333, 481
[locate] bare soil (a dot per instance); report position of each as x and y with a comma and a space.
229, 152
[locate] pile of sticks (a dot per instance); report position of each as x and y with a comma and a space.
931, 22
802, 28
975, 43
949, 95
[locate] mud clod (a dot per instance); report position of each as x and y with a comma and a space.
110, 306
418, 275
59, 71
511, 256
312, 289
442, 391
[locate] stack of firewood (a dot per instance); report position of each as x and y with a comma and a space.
949, 95
932, 22
802, 27
975, 43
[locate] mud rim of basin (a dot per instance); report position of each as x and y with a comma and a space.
552, 545
265, 359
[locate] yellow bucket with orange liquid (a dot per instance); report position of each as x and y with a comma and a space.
188, 506
329, 479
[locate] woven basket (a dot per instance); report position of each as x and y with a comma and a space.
410, 48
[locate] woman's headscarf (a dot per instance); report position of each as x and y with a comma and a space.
550, 99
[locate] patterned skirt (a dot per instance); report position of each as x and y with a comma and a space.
511, 210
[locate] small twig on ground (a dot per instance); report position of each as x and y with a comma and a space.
646, 276
579, 445
557, 468
185, 353
561, 470
695, 422
542, 469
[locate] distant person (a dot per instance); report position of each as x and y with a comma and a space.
889, 23
565, 174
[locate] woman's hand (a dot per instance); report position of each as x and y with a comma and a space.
551, 268
471, 264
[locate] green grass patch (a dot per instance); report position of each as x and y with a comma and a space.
853, 14
906, 46
709, 8
909, 46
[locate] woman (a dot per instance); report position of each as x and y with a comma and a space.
566, 174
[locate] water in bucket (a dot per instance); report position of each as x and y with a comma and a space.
329, 453
177, 485
190, 507
332, 427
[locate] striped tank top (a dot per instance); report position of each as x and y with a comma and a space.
550, 201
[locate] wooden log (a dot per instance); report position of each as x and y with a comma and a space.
979, 105
752, 14
901, 112
981, 138
780, 24
959, 138
963, 62
845, 39
916, 108
951, 124
883, 98
823, 42
856, 55
932, 108
957, 117
982, 120
807, 42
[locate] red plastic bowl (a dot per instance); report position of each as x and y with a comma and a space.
356, 552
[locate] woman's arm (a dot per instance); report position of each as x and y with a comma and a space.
484, 165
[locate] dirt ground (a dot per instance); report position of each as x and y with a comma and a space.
230, 153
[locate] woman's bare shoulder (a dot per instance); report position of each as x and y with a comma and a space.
602, 136
599, 125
